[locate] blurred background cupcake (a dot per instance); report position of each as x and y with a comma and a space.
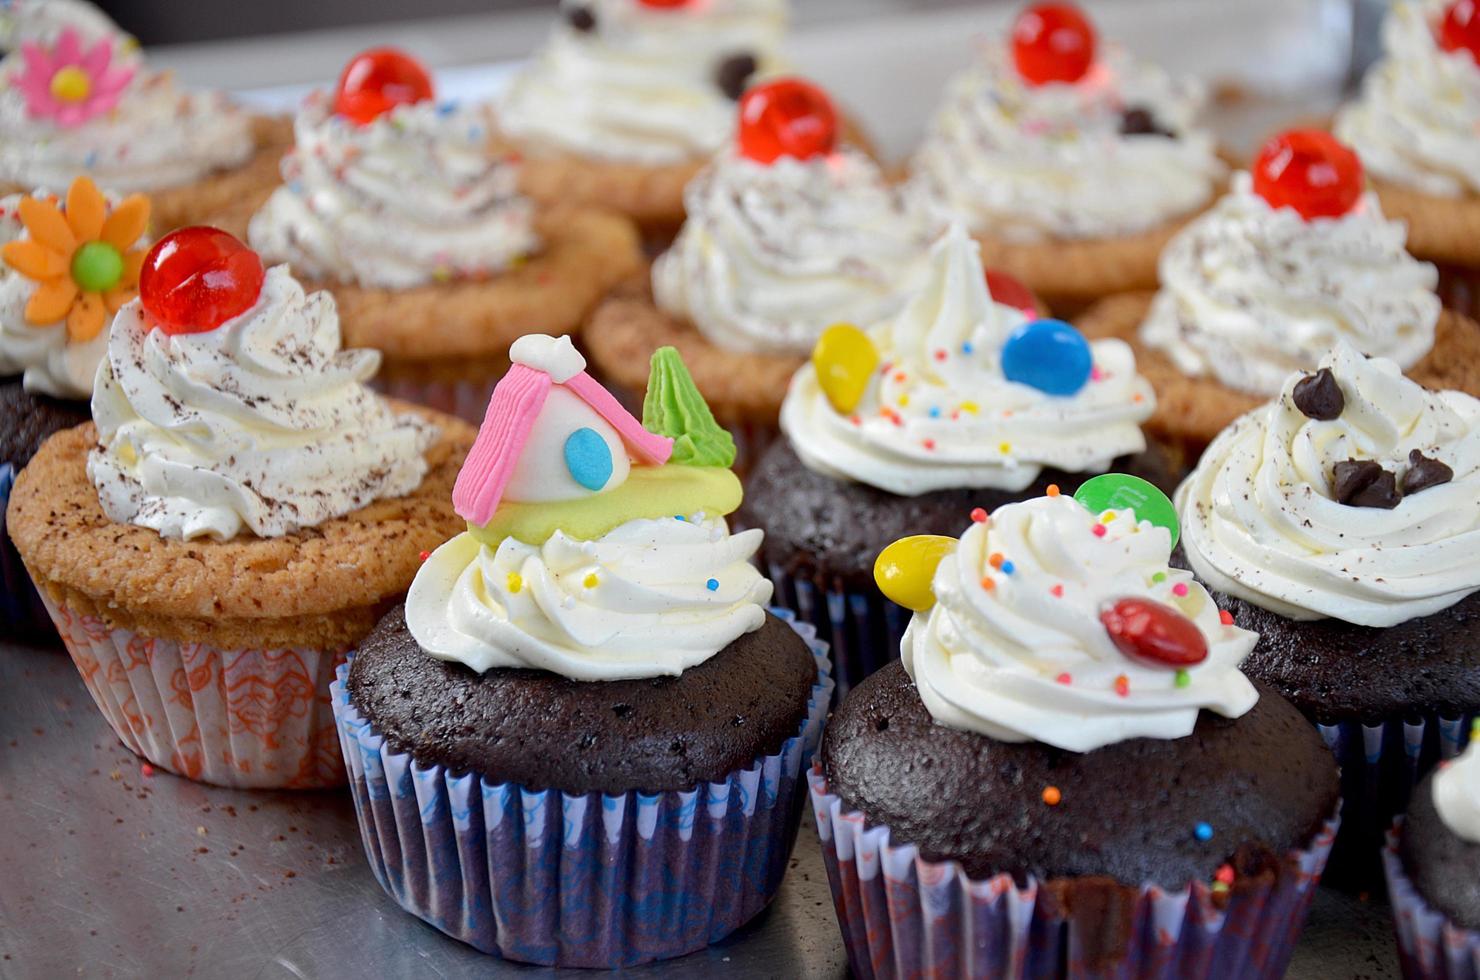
1340, 523
584, 707
1067, 772
405, 210
1297, 256
66, 266
1416, 124
1071, 162
77, 97
239, 516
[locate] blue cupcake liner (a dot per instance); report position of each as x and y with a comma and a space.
589, 880
1430, 945
21, 610
905, 916
862, 629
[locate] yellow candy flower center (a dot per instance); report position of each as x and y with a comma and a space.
71, 84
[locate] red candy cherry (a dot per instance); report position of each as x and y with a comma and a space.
195, 279
1009, 291
787, 118
1053, 42
1311, 171
1460, 29
664, 4
378, 80
1154, 633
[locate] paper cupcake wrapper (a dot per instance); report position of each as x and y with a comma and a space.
904, 916
22, 613
1381, 763
862, 630
251, 719
467, 400
1430, 945
588, 880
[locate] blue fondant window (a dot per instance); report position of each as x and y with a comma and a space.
588, 458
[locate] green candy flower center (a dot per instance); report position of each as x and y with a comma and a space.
97, 267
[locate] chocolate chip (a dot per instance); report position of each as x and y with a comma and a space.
581, 18
733, 74
1364, 483
1424, 472
1139, 121
1319, 396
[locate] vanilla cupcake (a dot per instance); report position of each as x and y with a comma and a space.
78, 98
403, 209
1072, 163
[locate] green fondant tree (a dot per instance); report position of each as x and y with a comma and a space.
674, 408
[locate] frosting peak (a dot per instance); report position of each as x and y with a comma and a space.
1457, 792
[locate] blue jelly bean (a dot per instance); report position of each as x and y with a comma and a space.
588, 458
1048, 355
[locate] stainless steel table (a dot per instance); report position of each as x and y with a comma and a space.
106, 871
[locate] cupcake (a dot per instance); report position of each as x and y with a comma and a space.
239, 514
66, 265
1067, 774
629, 98
584, 709
1072, 163
1296, 257
1433, 873
1417, 126
77, 98
957, 403
401, 207
1339, 522
787, 233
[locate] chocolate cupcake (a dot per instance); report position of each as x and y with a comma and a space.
1068, 750
588, 684
957, 403
1338, 521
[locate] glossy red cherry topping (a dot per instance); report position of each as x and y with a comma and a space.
195, 279
1154, 633
1053, 42
787, 117
1460, 29
1308, 170
378, 80
665, 4
1009, 291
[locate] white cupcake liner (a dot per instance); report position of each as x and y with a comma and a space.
1430, 945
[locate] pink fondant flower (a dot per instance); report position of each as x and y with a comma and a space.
69, 85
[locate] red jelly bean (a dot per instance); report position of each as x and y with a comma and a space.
1311, 171
787, 118
1053, 42
1154, 633
1009, 291
1460, 29
195, 279
377, 81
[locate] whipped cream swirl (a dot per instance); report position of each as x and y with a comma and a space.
1417, 121
413, 197
262, 424
642, 85
1457, 793
771, 255
635, 602
1260, 519
1251, 293
1027, 163
940, 414
1029, 659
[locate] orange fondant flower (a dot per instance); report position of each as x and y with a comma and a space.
81, 257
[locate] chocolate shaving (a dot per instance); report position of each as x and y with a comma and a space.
1319, 397
1140, 121
1424, 472
733, 74
581, 18
1364, 483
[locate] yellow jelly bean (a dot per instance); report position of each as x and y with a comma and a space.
905, 569
845, 359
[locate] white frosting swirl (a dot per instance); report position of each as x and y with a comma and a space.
641, 86
942, 415
635, 602
1260, 520
1029, 658
412, 197
771, 255
1250, 293
1457, 793
262, 424
1025, 163
42, 21
1417, 121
